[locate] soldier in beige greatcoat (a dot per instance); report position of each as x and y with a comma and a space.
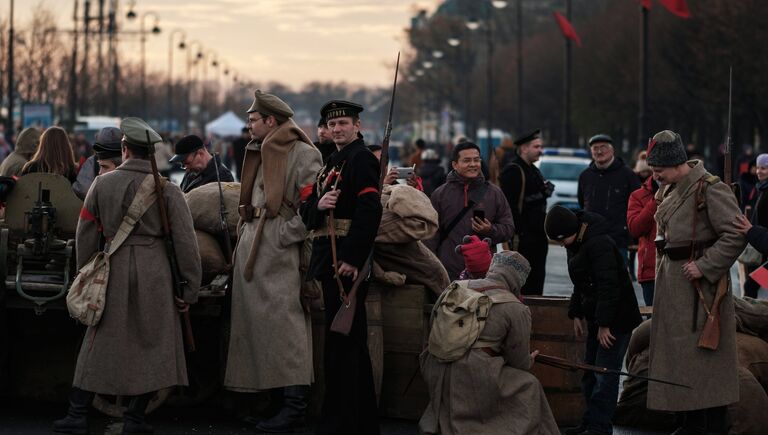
270, 345
694, 218
136, 348
490, 390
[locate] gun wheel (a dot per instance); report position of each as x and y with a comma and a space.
115, 406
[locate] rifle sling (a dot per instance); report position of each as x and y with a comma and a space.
251, 163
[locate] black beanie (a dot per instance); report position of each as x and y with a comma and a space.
560, 223
666, 150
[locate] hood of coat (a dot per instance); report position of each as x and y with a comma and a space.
27, 141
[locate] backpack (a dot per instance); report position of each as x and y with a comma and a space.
458, 318
87, 295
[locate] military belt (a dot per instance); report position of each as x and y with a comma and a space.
683, 252
341, 226
248, 212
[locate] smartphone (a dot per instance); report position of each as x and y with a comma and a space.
405, 173
480, 214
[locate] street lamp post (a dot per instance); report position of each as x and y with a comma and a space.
567, 84
143, 39
198, 54
498, 4
170, 70
520, 127
9, 130
642, 118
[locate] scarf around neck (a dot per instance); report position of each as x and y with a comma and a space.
274, 152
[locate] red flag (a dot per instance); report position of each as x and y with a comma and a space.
760, 275
567, 28
677, 7
646, 4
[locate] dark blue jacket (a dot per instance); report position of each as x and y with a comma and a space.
606, 192
602, 289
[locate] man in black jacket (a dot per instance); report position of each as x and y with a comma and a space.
198, 164
603, 305
348, 185
527, 191
604, 188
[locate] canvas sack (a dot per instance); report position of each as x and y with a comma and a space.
87, 295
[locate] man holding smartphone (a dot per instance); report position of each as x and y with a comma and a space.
467, 204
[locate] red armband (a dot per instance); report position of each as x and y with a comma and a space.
86, 215
368, 190
306, 191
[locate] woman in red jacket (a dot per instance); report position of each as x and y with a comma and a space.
640, 210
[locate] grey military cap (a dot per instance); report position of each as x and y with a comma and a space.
137, 132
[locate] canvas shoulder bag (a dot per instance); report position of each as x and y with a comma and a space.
87, 295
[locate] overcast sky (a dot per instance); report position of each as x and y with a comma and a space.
291, 41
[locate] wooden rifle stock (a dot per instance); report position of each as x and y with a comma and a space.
189, 338
710, 334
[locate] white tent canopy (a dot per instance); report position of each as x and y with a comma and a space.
227, 124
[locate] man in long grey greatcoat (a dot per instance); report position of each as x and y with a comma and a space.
136, 348
270, 346
490, 390
694, 219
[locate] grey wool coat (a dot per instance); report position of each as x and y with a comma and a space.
674, 354
137, 346
483, 394
270, 342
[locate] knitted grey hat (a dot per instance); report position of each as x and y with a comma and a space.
666, 149
511, 268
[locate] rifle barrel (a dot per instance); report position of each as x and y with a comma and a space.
189, 338
388, 129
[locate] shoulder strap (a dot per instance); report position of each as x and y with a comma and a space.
480, 195
144, 198
521, 199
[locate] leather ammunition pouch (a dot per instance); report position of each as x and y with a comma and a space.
341, 226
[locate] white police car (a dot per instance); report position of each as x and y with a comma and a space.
562, 166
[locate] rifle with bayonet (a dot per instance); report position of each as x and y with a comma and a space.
564, 364
342, 322
710, 334
178, 283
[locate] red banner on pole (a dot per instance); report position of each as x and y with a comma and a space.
567, 28
677, 7
646, 4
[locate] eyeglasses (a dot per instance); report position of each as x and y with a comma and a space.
188, 159
253, 121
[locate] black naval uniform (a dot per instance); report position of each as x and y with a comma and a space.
529, 213
349, 405
208, 175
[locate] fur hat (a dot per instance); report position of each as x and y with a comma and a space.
666, 149
641, 166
